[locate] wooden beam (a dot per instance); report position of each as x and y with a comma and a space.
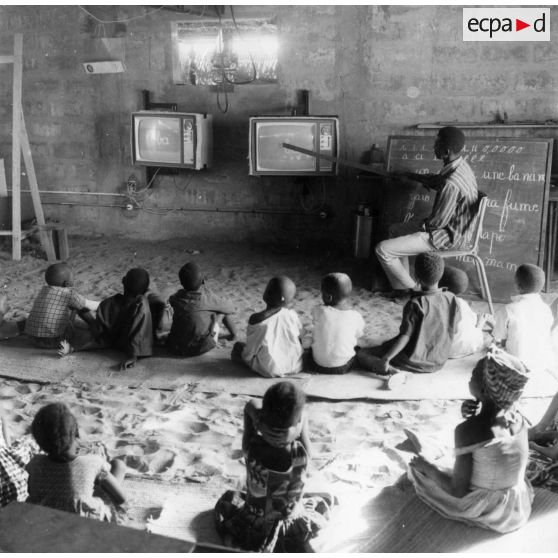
16, 146
6, 59
3, 185
46, 238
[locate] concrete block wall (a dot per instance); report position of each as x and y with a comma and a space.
382, 69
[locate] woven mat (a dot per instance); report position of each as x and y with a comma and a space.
212, 372
451, 382
215, 372
393, 520
182, 511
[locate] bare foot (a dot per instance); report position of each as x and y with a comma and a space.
65, 348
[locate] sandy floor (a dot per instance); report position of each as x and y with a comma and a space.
196, 436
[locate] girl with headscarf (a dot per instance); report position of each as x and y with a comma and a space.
487, 486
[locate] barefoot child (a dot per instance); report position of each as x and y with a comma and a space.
427, 329
273, 348
272, 515
196, 312
63, 479
52, 316
469, 337
487, 485
123, 321
337, 327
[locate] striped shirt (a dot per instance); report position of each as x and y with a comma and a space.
454, 206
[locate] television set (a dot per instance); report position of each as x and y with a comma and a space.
268, 156
172, 139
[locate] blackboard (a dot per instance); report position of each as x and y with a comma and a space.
515, 175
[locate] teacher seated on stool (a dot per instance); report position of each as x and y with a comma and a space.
453, 210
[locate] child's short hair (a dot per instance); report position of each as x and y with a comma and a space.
452, 138
190, 276
136, 281
429, 268
455, 280
279, 291
55, 428
282, 405
530, 278
338, 285
58, 273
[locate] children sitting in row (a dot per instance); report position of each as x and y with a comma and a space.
436, 325
125, 321
273, 346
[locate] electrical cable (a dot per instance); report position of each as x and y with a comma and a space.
255, 72
120, 20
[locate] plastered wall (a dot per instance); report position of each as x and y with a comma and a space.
382, 69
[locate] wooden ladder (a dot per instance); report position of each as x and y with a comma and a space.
20, 146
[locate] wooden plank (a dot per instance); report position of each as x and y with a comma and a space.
6, 59
46, 239
3, 185
16, 147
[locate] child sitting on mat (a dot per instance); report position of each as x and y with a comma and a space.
62, 478
337, 327
487, 485
196, 314
428, 326
469, 336
53, 313
273, 348
122, 322
272, 515
523, 327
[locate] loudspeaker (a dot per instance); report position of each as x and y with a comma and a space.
107, 67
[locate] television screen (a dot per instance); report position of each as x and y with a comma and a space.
172, 139
159, 139
318, 134
272, 156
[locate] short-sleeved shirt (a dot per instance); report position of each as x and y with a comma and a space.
430, 319
526, 325
336, 332
69, 486
53, 311
273, 347
125, 323
194, 316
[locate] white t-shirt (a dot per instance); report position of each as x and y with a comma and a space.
525, 324
273, 347
468, 338
335, 335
